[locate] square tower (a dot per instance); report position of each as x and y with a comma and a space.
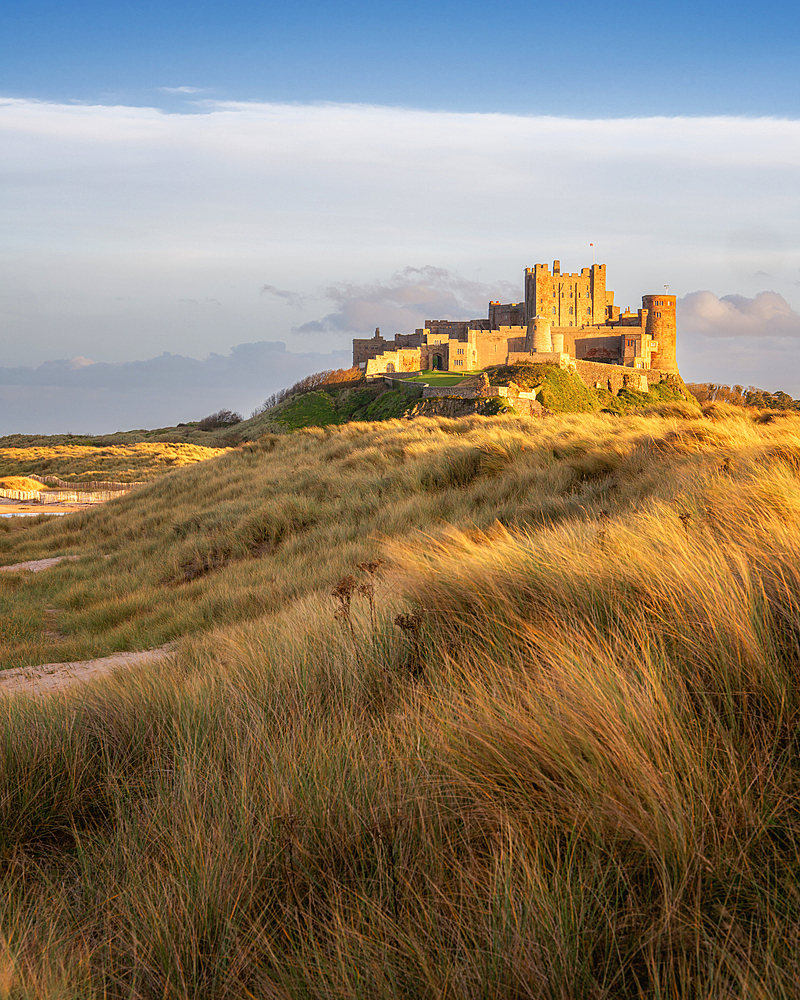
567, 299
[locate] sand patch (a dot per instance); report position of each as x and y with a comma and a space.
36, 565
51, 677
11, 507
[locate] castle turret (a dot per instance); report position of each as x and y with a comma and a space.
539, 340
661, 326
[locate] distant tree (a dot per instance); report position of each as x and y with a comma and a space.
222, 418
750, 396
782, 401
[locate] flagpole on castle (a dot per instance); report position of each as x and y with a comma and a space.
592, 246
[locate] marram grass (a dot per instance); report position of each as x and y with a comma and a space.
83, 463
547, 749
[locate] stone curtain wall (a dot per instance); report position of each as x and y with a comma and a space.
613, 377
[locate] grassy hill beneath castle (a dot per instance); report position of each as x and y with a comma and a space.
479, 707
315, 403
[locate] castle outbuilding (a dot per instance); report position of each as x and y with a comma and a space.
567, 319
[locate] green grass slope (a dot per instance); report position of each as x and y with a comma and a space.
367, 402
562, 391
548, 747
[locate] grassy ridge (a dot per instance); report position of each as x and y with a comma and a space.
549, 749
244, 534
21, 483
83, 463
338, 403
365, 402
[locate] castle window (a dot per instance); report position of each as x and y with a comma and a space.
459, 351
570, 310
554, 310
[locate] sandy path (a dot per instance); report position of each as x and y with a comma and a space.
21, 507
35, 565
49, 677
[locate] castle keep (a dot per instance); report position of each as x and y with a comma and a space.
566, 319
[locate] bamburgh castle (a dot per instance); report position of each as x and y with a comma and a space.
566, 319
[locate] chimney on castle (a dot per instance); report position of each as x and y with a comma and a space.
556, 267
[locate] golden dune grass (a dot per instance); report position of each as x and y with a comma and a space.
22, 483
570, 771
81, 463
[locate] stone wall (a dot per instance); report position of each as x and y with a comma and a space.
527, 407
552, 358
456, 406
587, 347
506, 314
611, 377
394, 361
446, 406
443, 391
366, 349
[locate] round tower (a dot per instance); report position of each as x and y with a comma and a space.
538, 340
661, 327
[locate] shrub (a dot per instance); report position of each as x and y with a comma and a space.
222, 418
334, 378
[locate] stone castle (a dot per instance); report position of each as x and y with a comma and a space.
566, 319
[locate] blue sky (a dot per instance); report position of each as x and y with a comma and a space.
597, 59
185, 181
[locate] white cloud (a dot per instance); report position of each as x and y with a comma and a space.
181, 90
79, 362
405, 301
766, 314
114, 214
